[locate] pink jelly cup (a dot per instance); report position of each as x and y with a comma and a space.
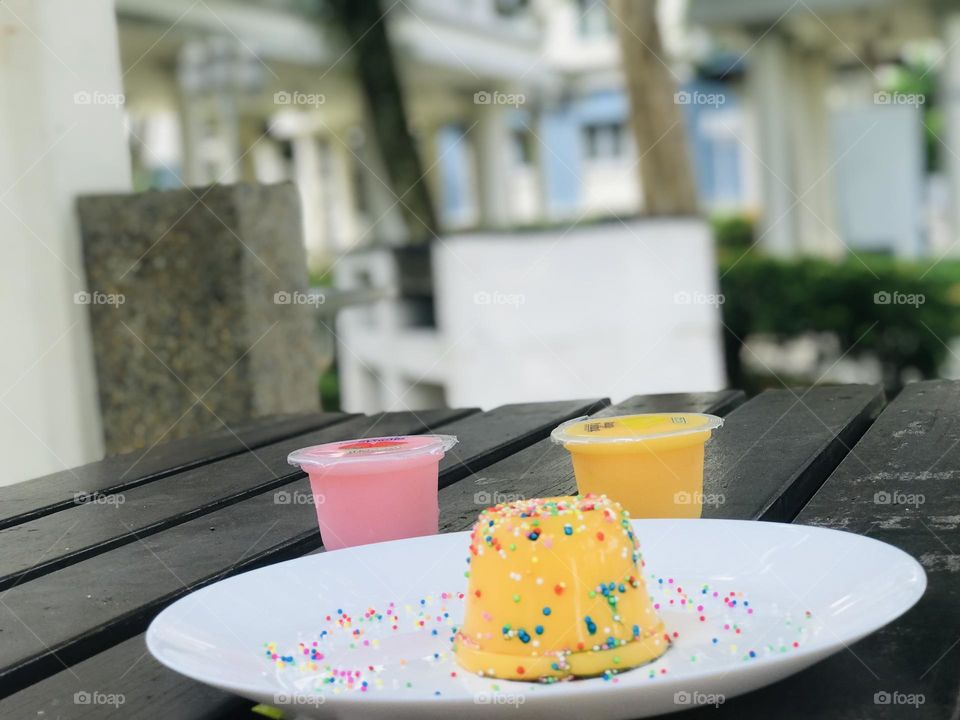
375, 489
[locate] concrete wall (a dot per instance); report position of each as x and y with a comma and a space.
61, 130
608, 310
599, 310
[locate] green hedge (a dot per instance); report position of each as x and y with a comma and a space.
329, 387
902, 313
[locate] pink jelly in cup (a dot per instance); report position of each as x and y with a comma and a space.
375, 489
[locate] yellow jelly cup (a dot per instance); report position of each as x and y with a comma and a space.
652, 464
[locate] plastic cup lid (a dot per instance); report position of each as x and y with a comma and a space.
633, 428
397, 447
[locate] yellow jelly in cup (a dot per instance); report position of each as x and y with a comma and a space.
651, 464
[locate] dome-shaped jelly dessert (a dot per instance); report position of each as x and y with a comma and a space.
556, 591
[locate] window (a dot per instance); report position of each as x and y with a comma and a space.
604, 141
593, 19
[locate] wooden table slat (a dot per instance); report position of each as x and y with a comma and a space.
775, 451
149, 691
912, 449
544, 469
28, 500
115, 603
773, 454
53, 541
61, 618
132, 581
493, 435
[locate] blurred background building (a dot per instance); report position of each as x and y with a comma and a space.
520, 113
519, 110
820, 133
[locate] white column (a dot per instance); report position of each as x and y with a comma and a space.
769, 85
307, 173
950, 83
816, 215
492, 148
62, 134
269, 164
340, 200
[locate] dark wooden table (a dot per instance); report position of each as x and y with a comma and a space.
89, 556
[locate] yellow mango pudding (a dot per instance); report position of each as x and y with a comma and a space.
556, 591
651, 463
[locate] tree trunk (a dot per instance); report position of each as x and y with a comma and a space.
373, 60
666, 175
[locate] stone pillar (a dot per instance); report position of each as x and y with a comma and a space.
492, 148
769, 81
950, 83
198, 309
61, 130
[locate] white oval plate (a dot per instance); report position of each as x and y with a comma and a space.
382, 617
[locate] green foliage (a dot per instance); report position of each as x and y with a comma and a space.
329, 385
921, 80
733, 232
902, 313
321, 277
